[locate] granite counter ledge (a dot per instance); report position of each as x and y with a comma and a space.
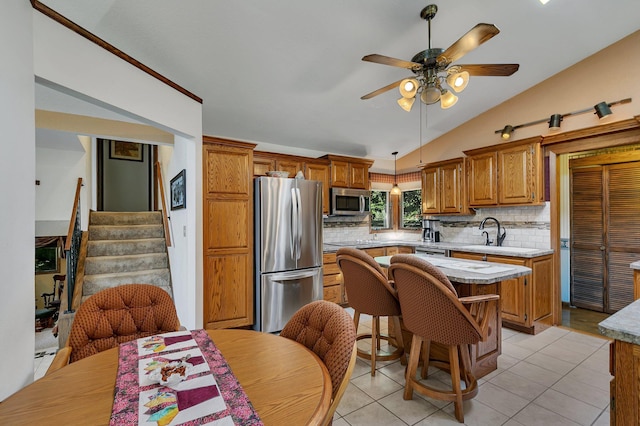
624, 325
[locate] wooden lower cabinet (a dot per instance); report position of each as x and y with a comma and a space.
228, 233
333, 286
526, 302
332, 278
624, 366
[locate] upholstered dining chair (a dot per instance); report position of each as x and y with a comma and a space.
328, 330
116, 315
433, 312
370, 292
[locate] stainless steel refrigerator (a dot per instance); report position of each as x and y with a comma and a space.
288, 248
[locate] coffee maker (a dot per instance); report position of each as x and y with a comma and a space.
430, 233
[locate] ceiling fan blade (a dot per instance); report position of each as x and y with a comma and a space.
387, 60
498, 70
465, 44
382, 89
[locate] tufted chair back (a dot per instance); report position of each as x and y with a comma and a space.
120, 314
327, 330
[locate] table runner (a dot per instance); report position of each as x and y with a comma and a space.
210, 395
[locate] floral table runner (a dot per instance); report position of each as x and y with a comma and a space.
210, 394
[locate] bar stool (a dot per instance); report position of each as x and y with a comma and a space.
369, 292
432, 311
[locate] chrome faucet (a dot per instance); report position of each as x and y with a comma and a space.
499, 236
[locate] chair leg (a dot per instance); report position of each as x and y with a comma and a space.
426, 351
466, 371
454, 365
399, 339
375, 342
412, 367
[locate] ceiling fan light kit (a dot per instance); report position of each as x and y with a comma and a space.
433, 67
602, 110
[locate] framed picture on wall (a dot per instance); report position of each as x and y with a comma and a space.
178, 191
131, 151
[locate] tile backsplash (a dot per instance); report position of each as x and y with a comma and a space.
526, 226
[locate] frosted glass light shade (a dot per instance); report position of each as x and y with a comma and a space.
430, 95
408, 87
406, 103
458, 80
447, 99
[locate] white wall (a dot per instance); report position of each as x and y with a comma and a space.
71, 64
17, 213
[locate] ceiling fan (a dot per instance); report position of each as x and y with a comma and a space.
433, 67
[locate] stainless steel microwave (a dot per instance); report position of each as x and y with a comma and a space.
350, 202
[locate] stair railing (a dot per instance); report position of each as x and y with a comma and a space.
72, 247
165, 216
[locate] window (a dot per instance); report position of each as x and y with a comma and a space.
411, 209
380, 210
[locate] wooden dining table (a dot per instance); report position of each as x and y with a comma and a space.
286, 383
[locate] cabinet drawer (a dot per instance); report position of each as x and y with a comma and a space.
333, 294
375, 252
330, 268
331, 279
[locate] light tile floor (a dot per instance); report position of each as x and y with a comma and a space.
557, 377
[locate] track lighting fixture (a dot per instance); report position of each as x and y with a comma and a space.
602, 110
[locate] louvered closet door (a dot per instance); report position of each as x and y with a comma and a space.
587, 239
622, 232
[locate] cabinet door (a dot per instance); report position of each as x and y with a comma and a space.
483, 179
320, 172
451, 188
359, 176
262, 165
227, 236
516, 180
340, 174
430, 191
288, 166
513, 295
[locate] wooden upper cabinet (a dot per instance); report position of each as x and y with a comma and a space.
291, 166
340, 174
359, 175
443, 188
318, 171
262, 165
348, 172
483, 179
518, 167
506, 174
430, 191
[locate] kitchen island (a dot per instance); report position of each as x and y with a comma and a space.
470, 278
624, 363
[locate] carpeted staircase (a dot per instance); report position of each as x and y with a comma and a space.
125, 248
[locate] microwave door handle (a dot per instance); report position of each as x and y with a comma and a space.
362, 204
294, 224
299, 227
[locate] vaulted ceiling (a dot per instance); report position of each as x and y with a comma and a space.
289, 73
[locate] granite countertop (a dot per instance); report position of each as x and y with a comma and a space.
469, 271
635, 265
624, 324
470, 248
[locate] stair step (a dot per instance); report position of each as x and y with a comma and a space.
117, 232
129, 263
125, 247
158, 277
125, 218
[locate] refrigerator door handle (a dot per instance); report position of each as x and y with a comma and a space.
294, 275
294, 224
299, 227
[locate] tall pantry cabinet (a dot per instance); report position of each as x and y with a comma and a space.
228, 229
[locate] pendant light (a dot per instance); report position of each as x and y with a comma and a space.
396, 189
